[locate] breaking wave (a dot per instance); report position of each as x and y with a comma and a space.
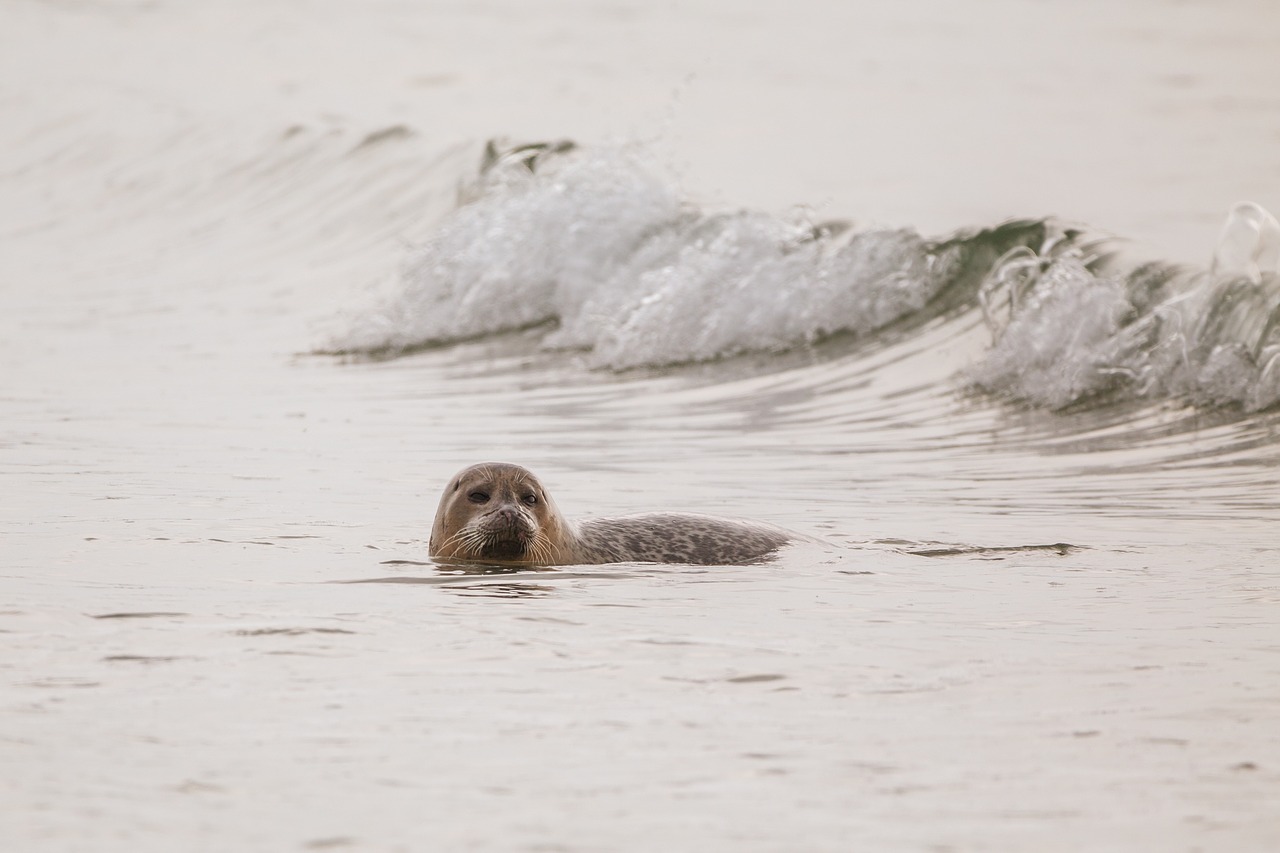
600, 249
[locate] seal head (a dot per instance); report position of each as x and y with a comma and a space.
498, 512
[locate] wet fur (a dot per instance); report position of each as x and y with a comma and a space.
506, 530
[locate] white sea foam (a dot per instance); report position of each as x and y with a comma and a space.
1042, 357
1072, 333
1249, 244
743, 283
602, 247
527, 249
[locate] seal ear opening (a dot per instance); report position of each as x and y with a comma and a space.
456, 484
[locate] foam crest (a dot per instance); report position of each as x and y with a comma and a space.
601, 249
531, 240
725, 285
1065, 330
1054, 348
1249, 245
598, 244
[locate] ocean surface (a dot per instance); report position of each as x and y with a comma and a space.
984, 297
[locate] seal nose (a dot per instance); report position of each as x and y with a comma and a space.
506, 519
507, 532
508, 515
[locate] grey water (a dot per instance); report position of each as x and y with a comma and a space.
1026, 402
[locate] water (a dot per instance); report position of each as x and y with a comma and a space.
1043, 459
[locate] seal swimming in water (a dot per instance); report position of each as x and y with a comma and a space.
499, 512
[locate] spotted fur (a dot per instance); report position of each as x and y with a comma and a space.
518, 522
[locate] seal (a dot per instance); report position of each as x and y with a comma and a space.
496, 512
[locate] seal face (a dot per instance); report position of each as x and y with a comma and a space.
499, 512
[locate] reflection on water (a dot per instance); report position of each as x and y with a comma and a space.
451, 577
502, 590
998, 552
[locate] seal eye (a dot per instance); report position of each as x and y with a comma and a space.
478, 497
530, 499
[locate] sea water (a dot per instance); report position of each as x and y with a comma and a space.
850, 269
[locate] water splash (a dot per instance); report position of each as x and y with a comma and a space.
1072, 330
600, 246
601, 249
531, 238
1249, 245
